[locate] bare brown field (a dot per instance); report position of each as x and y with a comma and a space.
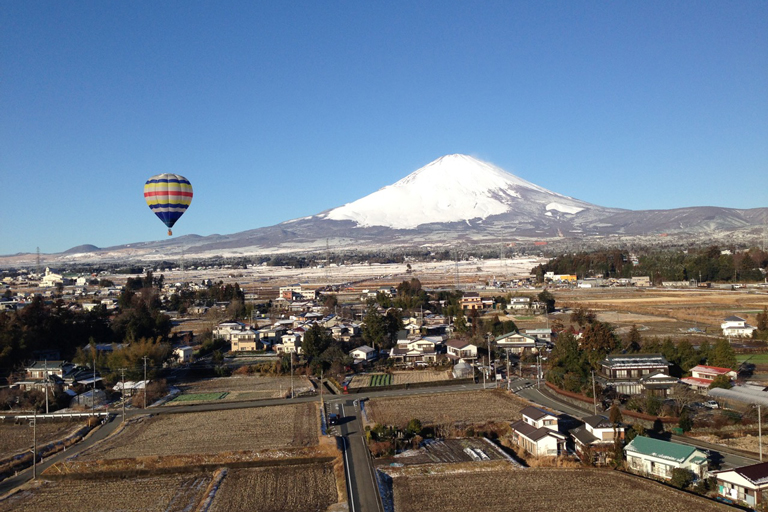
17, 438
169, 493
419, 376
252, 429
277, 489
701, 307
241, 387
417, 489
446, 408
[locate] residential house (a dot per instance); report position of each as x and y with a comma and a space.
184, 354
747, 485
737, 327
657, 459
520, 344
624, 372
702, 376
543, 334
596, 439
537, 433
289, 344
419, 350
363, 354
461, 350
471, 301
519, 303
51, 279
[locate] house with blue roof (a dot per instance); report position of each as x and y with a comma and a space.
655, 458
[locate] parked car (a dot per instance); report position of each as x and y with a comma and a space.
711, 404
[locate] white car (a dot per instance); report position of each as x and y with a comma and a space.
711, 404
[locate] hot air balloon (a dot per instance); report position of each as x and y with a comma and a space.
168, 195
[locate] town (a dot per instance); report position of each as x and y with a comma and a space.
384, 386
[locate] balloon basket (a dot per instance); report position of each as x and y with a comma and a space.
170, 232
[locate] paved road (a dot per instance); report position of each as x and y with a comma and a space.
95, 436
362, 490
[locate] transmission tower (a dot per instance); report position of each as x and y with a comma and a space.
38, 261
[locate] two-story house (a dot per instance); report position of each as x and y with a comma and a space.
423, 350
702, 376
363, 354
537, 433
596, 439
471, 300
624, 372
736, 327
519, 344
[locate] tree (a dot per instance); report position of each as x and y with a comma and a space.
393, 323
723, 355
686, 422
414, 427
615, 415
548, 299
598, 340
686, 355
721, 381
374, 330
316, 341
762, 320
583, 316
634, 340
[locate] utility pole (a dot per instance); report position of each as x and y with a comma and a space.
538, 370
760, 432
145, 381
46, 386
485, 371
34, 444
93, 391
508, 381
322, 405
122, 378
594, 394
291, 374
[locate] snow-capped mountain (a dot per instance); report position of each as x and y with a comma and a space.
453, 188
455, 198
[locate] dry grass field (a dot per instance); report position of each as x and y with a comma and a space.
17, 438
446, 408
419, 376
240, 387
252, 429
277, 489
533, 490
703, 308
167, 493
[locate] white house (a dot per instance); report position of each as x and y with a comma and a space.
418, 350
289, 344
51, 279
518, 343
745, 485
461, 350
655, 458
734, 326
537, 433
363, 354
702, 376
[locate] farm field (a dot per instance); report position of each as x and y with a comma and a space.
17, 438
446, 408
252, 429
169, 493
277, 489
238, 388
449, 450
533, 490
398, 378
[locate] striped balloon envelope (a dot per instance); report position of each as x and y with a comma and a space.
168, 195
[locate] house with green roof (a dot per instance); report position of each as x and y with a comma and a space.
657, 459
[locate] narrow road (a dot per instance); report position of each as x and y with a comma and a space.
361, 481
95, 436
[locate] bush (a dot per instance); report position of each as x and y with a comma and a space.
682, 478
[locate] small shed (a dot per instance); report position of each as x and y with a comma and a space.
463, 370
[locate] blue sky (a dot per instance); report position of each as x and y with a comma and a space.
278, 110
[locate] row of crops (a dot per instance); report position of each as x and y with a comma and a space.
383, 379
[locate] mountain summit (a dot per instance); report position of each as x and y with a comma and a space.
453, 188
455, 199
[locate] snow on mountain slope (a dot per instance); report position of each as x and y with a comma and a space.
453, 188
